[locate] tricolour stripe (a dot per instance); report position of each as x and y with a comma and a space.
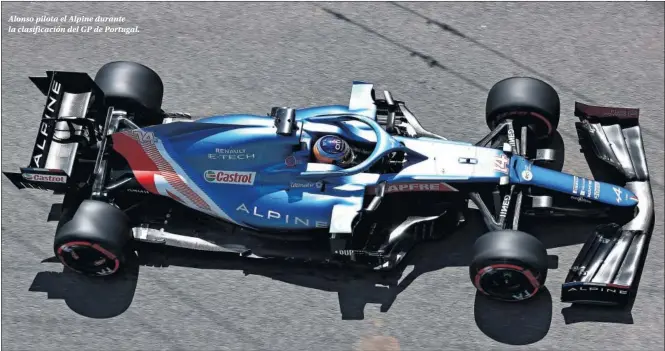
141, 163
191, 186
149, 160
175, 180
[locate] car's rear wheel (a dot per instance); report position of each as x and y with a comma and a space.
528, 102
508, 265
94, 241
132, 87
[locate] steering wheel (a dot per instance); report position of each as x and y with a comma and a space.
384, 145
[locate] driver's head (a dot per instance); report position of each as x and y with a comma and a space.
334, 150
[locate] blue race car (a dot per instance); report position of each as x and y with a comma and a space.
355, 185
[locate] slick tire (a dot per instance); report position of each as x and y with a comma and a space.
94, 241
555, 142
508, 265
528, 102
132, 87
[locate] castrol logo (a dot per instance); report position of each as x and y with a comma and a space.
45, 178
230, 177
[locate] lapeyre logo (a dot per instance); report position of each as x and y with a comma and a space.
46, 178
412, 187
230, 177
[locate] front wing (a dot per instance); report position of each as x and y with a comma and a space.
608, 268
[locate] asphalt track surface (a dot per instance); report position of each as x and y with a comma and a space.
441, 58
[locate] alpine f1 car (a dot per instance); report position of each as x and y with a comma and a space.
346, 185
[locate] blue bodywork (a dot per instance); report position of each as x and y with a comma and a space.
277, 186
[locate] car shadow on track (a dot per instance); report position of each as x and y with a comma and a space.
500, 320
111, 296
103, 297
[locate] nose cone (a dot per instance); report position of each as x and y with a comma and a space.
629, 199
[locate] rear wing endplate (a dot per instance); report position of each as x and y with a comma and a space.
39, 178
71, 99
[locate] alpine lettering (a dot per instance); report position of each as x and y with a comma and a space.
284, 218
618, 291
50, 113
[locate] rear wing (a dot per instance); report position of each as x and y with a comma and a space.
608, 268
39, 178
71, 99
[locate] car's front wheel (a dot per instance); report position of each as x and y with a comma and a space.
508, 265
528, 102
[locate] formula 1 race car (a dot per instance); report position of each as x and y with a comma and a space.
346, 185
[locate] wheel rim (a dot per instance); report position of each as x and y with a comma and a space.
539, 123
507, 282
88, 258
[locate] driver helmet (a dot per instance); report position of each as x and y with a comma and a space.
334, 150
